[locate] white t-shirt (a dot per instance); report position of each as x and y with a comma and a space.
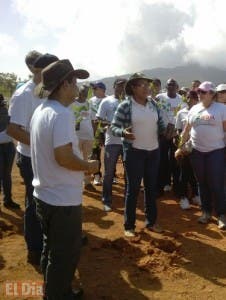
5, 138
22, 105
94, 105
207, 133
53, 125
106, 112
82, 114
181, 118
169, 107
144, 126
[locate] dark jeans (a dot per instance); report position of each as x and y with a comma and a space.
111, 155
209, 170
141, 164
187, 177
32, 226
7, 154
62, 234
168, 165
96, 154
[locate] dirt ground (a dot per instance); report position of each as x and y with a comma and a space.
187, 261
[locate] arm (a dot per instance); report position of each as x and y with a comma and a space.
18, 133
224, 125
67, 159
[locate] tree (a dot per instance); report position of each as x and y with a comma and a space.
8, 82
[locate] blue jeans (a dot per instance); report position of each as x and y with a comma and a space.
141, 164
62, 228
7, 154
32, 226
111, 155
209, 170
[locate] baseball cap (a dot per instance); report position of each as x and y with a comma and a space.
99, 85
44, 60
207, 86
119, 81
221, 87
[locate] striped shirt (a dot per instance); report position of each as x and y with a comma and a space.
122, 120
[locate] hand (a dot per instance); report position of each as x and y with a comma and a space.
179, 154
127, 133
93, 166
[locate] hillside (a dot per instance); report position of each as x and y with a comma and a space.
183, 74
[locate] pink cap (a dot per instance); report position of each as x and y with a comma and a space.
207, 86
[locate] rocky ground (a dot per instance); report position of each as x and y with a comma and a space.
187, 261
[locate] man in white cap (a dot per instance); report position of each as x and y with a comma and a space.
22, 105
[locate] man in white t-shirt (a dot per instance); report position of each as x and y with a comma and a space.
22, 105
84, 129
169, 103
58, 174
113, 145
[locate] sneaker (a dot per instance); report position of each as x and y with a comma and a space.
167, 188
129, 233
205, 218
97, 180
184, 203
222, 222
115, 180
107, 208
11, 204
155, 228
90, 187
196, 200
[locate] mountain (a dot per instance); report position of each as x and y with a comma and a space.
183, 74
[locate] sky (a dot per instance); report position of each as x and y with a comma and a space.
113, 37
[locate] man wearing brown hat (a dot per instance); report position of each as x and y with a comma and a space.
22, 105
58, 175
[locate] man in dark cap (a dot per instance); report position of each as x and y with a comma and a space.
22, 105
113, 145
169, 102
58, 175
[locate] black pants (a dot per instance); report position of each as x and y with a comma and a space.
187, 177
62, 227
7, 154
32, 226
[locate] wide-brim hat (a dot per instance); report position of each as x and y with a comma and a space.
132, 79
54, 74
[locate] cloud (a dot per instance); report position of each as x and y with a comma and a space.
156, 39
9, 46
115, 37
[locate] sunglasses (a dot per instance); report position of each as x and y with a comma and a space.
221, 92
202, 92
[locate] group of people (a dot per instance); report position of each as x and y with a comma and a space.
166, 139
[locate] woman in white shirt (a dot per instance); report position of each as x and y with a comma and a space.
206, 125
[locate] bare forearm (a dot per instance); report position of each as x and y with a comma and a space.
73, 162
19, 134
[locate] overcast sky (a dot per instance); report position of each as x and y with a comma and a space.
113, 37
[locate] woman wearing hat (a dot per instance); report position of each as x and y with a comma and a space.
206, 124
137, 120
